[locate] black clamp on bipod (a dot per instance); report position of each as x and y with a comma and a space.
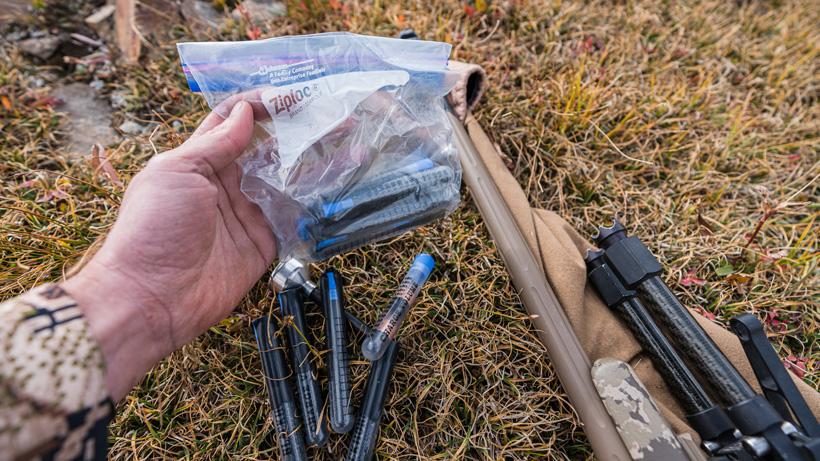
630, 258
778, 387
639, 270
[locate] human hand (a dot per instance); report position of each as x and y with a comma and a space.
186, 247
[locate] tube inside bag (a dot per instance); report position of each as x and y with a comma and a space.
352, 143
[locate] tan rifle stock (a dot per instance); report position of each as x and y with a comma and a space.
570, 361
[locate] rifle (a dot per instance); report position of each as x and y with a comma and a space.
745, 427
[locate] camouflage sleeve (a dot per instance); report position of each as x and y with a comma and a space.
53, 399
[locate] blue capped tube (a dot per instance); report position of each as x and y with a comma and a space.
385, 189
388, 326
394, 226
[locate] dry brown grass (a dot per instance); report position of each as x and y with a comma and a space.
692, 119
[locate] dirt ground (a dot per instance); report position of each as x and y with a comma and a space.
696, 121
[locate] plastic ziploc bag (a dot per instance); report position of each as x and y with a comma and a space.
352, 142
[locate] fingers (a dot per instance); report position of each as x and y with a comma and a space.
210, 122
215, 148
221, 111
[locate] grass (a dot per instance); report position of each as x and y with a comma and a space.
696, 121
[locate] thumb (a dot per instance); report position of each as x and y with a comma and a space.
218, 147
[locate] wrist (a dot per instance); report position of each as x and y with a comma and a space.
119, 314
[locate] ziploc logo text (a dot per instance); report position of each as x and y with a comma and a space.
295, 100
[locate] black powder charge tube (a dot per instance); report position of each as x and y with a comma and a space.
366, 432
307, 387
339, 390
280, 394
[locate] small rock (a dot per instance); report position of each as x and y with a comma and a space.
87, 118
16, 36
177, 125
262, 10
201, 15
118, 100
42, 47
131, 127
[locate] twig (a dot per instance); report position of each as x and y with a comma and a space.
492, 32
773, 210
768, 214
645, 162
